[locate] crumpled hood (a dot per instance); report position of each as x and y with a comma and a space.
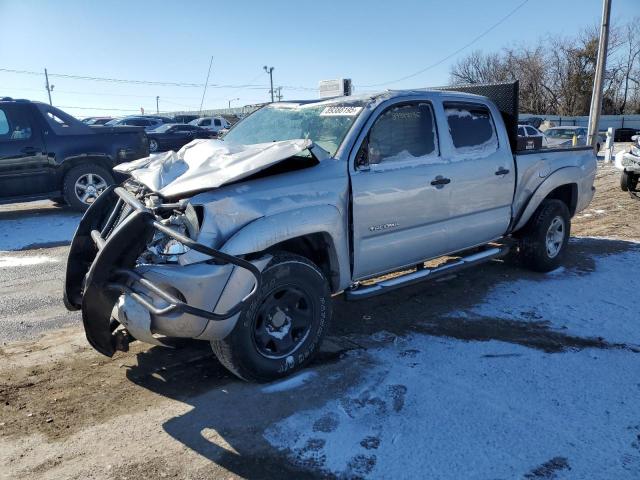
205, 164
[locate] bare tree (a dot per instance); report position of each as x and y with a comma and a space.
556, 75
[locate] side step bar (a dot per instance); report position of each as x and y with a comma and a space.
421, 274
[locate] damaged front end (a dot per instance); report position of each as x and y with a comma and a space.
124, 272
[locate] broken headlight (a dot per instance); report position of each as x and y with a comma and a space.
165, 249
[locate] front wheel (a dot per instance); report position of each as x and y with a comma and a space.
544, 239
282, 328
153, 145
628, 181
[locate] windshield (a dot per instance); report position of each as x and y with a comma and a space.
562, 132
325, 125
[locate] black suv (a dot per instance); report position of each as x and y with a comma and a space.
47, 153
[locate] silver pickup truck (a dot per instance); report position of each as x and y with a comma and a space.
243, 241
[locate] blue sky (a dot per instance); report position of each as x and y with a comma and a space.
306, 41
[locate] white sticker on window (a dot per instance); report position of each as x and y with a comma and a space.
338, 111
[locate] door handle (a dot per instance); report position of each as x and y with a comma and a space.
502, 171
440, 181
29, 150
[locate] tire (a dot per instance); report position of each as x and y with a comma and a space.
253, 351
629, 181
624, 181
93, 178
153, 145
544, 239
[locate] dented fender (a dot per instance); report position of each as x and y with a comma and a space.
267, 231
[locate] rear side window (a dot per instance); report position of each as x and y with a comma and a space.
471, 128
521, 132
403, 132
14, 125
205, 123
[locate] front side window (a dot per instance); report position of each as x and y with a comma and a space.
205, 123
216, 122
403, 132
471, 128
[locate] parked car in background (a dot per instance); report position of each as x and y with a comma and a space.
628, 162
624, 134
529, 131
173, 136
184, 118
245, 241
213, 124
96, 120
563, 136
47, 153
533, 121
148, 123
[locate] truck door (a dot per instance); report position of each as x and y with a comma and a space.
24, 168
399, 191
482, 174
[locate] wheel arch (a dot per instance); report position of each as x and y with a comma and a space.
103, 161
313, 232
561, 185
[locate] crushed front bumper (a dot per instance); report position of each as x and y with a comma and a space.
201, 300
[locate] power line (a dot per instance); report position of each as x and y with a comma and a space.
441, 61
148, 82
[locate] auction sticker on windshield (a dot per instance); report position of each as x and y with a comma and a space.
338, 111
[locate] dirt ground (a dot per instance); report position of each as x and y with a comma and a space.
68, 412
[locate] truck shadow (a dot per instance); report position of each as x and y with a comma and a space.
228, 417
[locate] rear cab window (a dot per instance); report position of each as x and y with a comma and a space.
404, 133
471, 128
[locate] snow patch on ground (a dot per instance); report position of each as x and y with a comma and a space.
589, 304
290, 383
450, 409
7, 261
44, 229
430, 407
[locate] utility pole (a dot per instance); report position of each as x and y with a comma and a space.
157, 104
269, 70
232, 100
49, 88
596, 96
205, 84
279, 94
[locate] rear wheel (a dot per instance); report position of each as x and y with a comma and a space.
83, 184
283, 327
544, 238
